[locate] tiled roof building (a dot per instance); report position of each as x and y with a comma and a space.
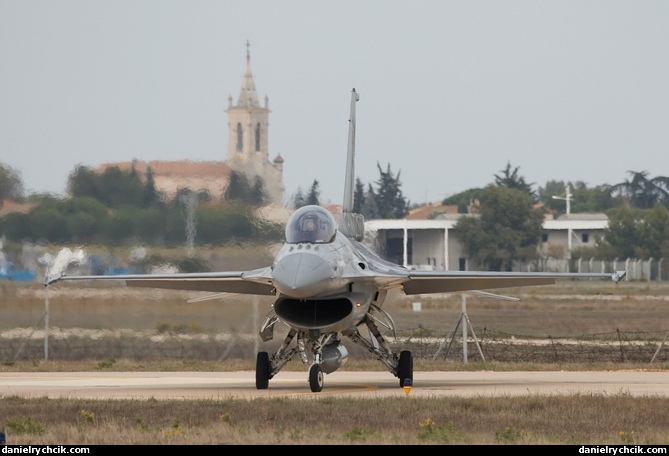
248, 123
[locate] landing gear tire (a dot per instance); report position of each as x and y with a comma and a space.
316, 378
405, 368
262, 370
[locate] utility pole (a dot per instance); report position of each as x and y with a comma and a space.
567, 198
190, 200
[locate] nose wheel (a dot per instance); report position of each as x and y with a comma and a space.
316, 378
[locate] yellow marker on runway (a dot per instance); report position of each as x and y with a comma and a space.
407, 386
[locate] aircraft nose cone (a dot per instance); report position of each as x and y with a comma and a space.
302, 275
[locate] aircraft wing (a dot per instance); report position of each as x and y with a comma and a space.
389, 275
255, 282
259, 281
419, 282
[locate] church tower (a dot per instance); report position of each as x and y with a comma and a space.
248, 124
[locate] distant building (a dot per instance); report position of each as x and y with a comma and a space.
431, 211
8, 206
248, 153
248, 124
419, 243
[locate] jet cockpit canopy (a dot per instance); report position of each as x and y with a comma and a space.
312, 224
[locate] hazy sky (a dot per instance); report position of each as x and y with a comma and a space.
450, 91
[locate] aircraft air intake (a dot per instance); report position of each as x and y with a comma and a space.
314, 313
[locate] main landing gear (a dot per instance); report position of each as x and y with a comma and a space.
327, 354
262, 370
405, 368
404, 372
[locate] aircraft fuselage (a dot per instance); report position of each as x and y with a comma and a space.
313, 288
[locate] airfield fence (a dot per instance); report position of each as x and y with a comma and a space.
617, 347
637, 269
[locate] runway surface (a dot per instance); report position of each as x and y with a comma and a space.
213, 385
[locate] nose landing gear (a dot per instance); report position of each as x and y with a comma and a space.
316, 378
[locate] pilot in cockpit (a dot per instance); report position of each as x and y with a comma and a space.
311, 224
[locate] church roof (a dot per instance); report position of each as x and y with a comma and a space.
182, 168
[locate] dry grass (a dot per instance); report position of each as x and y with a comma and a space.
578, 419
569, 309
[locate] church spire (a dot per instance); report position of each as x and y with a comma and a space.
248, 152
247, 96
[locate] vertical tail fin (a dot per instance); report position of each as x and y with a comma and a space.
352, 225
349, 182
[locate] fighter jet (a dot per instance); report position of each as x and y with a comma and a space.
327, 285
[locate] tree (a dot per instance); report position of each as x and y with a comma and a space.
11, 185
511, 179
643, 192
83, 182
84, 216
298, 199
620, 235
48, 224
583, 199
507, 230
16, 226
149, 223
551, 189
636, 233
114, 187
358, 196
258, 196
150, 194
464, 199
239, 190
313, 197
384, 201
369, 208
121, 225
117, 188
593, 199
222, 225
238, 187
653, 233
390, 202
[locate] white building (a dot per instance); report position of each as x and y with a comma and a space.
432, 244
